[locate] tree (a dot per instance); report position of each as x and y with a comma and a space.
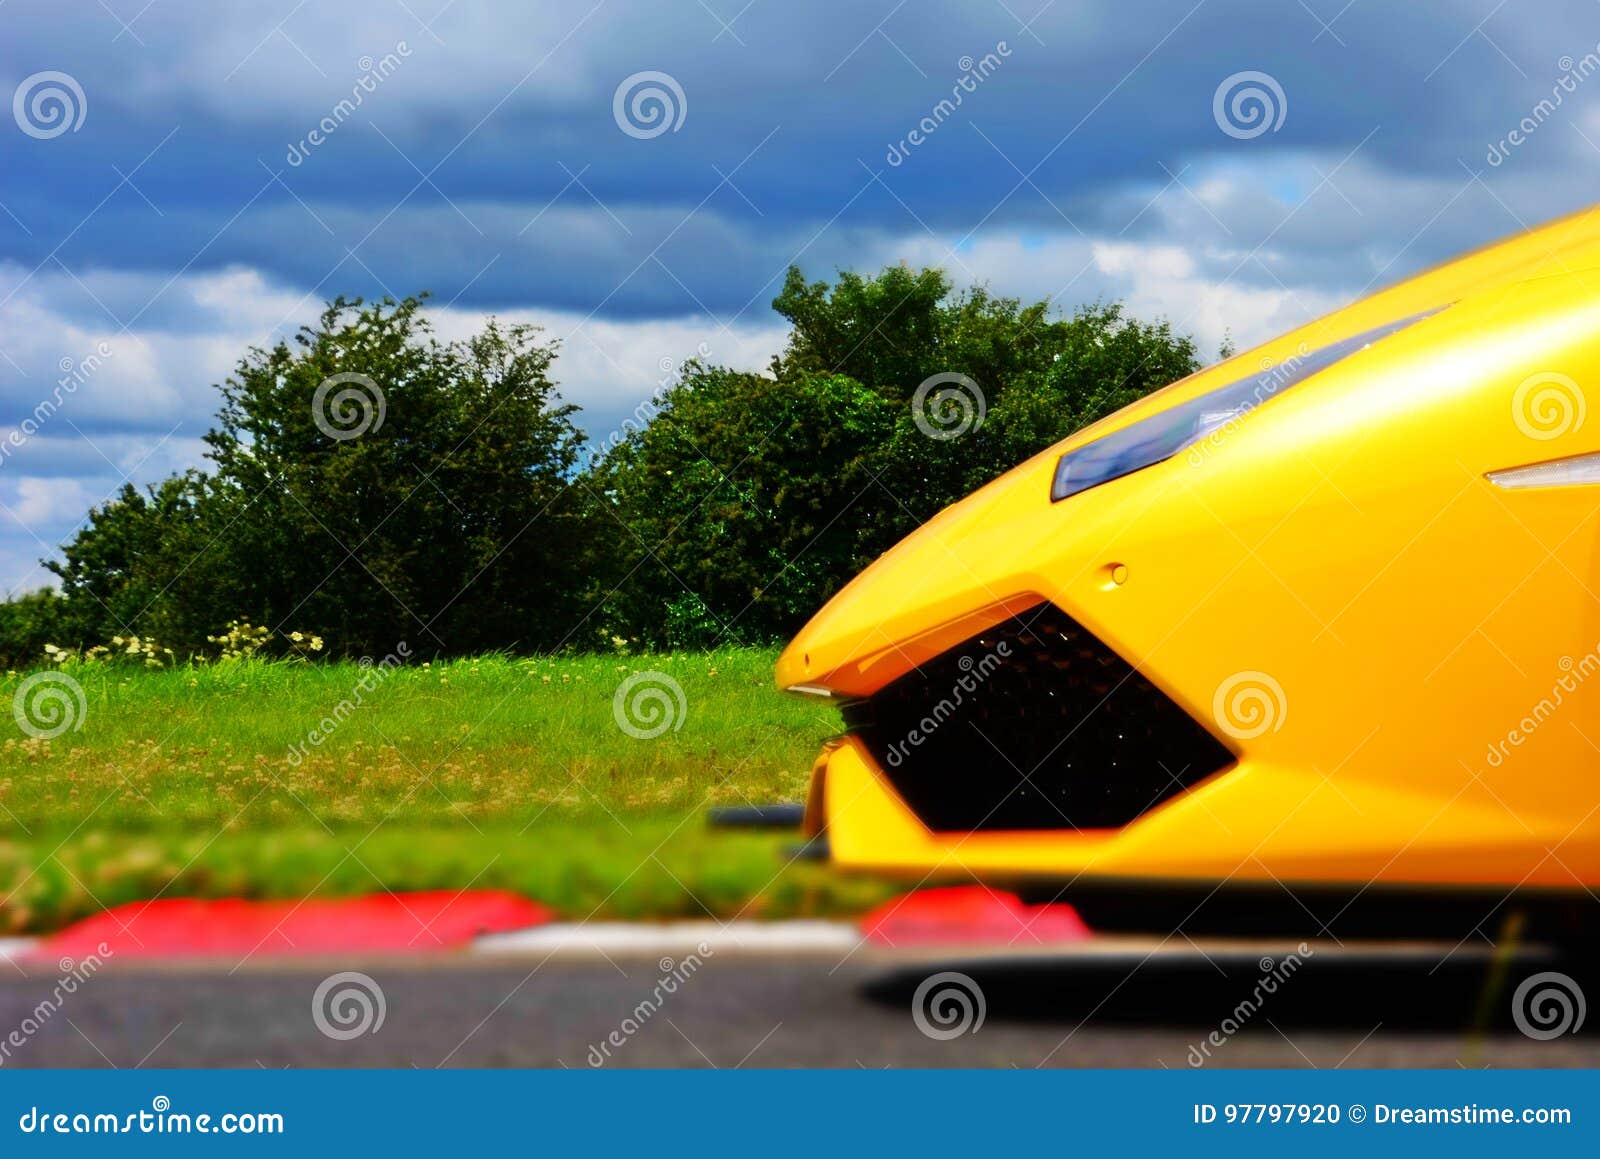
370, 484
27, 623
891, 332
1080, 370
728, 503
752, 498
386, 486
145, 563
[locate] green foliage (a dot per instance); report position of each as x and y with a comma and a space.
449, 521
371, 484
27, 624
731, 497
752, 498
451, 525
146, 559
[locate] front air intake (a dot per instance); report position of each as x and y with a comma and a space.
1033, 724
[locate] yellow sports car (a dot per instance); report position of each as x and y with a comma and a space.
1289, 645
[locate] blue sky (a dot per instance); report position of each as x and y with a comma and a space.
183, 211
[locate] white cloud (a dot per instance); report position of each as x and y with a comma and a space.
142, 410
144, 407
36, 501
1187, 285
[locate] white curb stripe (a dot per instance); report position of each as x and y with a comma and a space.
737, 937
13, 948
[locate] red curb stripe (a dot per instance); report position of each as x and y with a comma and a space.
390, 923
971, 916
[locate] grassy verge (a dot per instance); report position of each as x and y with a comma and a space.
283, 780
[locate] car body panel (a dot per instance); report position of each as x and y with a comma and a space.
1419, 637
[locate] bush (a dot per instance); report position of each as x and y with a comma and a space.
27, 624
370, 484
433, 504
753, 498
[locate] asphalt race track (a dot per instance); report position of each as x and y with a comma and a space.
1113, 1010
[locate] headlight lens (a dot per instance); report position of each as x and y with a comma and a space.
1161, 436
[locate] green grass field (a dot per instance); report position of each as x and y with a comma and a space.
491, 773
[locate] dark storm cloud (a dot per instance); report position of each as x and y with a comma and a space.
491, 132
237, 163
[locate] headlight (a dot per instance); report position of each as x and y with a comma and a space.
1161, 436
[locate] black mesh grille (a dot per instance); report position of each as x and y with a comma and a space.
1034, 724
